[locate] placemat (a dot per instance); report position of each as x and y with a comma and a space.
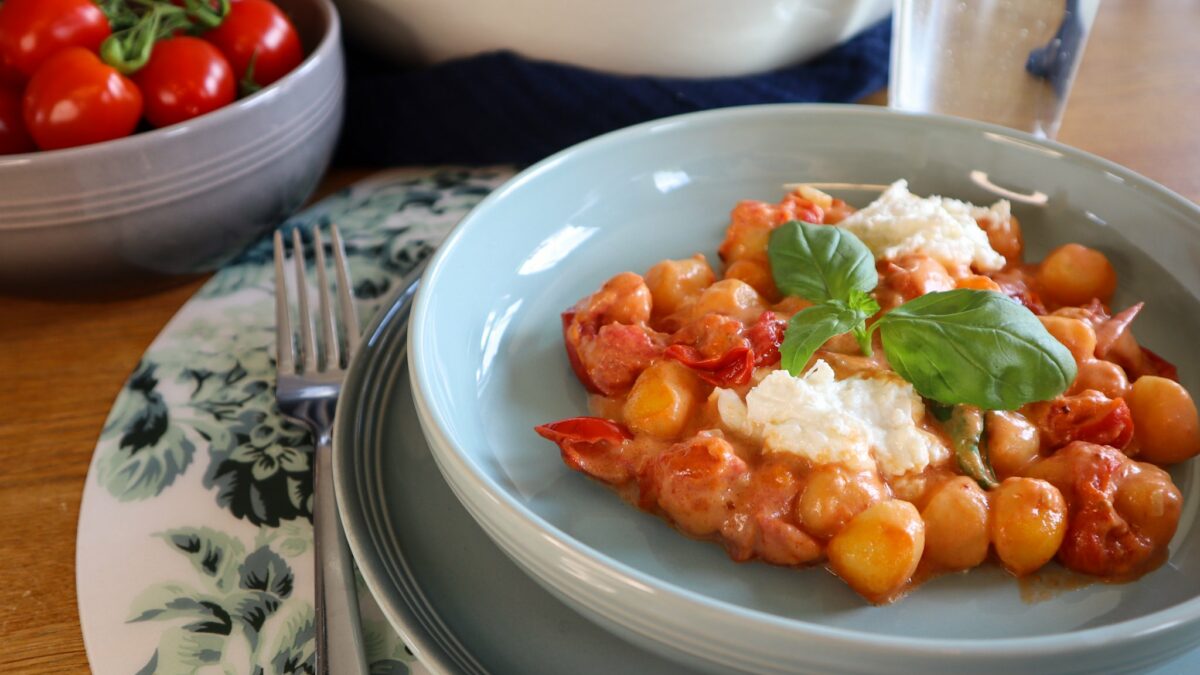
194, 549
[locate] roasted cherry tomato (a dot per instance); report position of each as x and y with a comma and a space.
1088, 416
592, 445
75, 99
13, 136
184, 78
259, 41
31, 31
607, 358
731, 369
765, 336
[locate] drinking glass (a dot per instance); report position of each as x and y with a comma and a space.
1010, 62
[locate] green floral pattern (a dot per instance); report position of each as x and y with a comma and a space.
220, 620
221, 393
194, 439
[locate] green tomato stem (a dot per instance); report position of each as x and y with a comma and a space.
204, 15
120, 15
128, 50
248, 85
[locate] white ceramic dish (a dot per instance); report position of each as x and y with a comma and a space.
692, 38
488, 365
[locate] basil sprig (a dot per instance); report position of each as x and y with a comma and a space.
830, 266
956, 347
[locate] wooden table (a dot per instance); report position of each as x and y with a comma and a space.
1135, 102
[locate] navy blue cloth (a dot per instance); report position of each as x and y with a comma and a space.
502, 108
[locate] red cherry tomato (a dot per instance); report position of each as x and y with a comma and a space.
184, 78
9, 77
31, 31
13, 136
75, 99
259, 33
1088, 416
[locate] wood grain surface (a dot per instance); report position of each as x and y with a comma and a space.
62, 362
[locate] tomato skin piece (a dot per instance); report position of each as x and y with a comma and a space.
1159, 366
591, 445
75, 99
31, 31
257, 31
186, 77
765, 336
731, 369
14, 138
734, 367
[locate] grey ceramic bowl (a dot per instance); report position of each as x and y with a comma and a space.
179, 200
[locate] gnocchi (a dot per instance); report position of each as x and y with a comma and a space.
672, 358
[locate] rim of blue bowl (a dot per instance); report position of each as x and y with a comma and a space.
329, 41
1113, 634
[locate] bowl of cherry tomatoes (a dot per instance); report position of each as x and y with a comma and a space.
144, 139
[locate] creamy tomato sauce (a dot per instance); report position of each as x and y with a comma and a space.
1079, 476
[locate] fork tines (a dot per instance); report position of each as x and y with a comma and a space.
311, 357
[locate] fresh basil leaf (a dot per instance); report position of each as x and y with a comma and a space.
809, 329
976, 347
820, 262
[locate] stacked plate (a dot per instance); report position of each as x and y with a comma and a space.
488, 365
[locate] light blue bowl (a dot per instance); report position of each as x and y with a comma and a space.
488, 364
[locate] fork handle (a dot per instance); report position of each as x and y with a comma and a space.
339, 636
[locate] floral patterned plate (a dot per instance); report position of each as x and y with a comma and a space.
194, 550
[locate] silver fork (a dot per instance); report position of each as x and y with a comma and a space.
308, 395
